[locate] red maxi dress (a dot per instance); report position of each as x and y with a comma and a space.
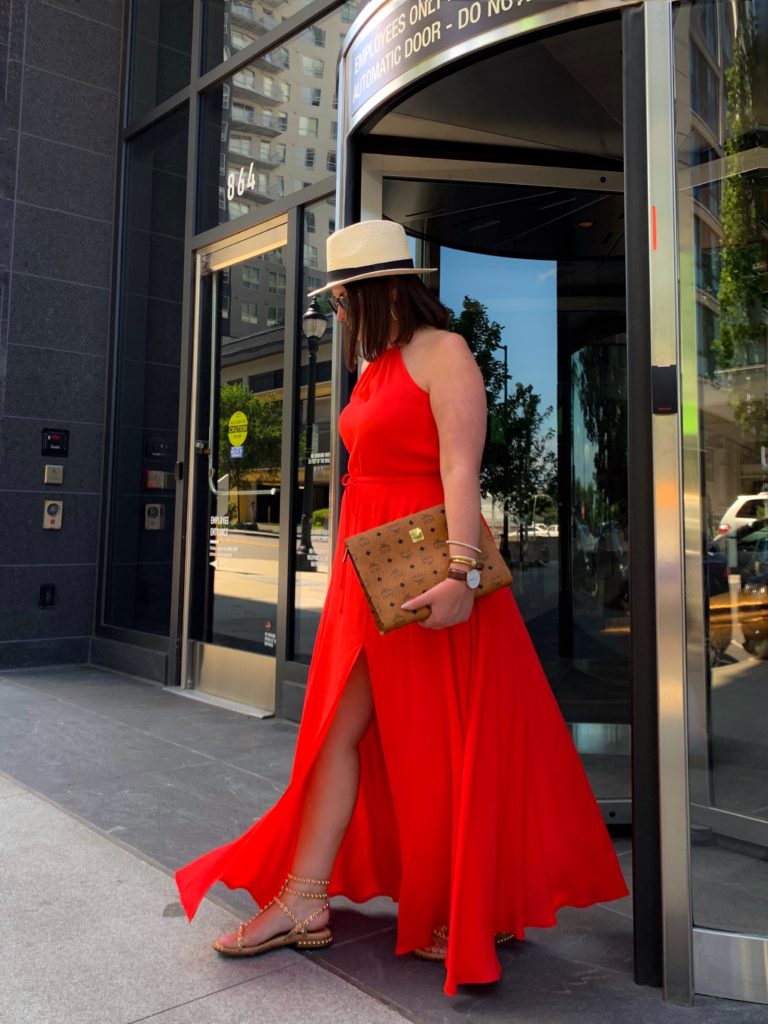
473, 807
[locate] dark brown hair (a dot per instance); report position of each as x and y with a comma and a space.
369, 317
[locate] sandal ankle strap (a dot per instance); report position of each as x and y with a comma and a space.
308, 881
300, 926
306, 895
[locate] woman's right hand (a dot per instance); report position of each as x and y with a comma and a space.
450, 602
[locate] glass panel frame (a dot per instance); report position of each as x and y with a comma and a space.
724, 266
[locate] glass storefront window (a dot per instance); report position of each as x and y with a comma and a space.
160, 59
231, 25
723, 204
145, 429
313, 450
261, 127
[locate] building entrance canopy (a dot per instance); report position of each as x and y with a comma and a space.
399, 41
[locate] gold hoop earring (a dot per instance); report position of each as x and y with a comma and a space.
392, 312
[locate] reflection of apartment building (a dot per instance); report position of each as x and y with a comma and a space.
278, 132
279, 121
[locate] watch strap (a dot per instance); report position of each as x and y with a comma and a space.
457, 574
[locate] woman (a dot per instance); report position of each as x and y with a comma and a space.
432, 764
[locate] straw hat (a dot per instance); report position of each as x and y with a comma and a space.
372, 248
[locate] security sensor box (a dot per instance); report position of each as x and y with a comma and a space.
154, 516
52, 513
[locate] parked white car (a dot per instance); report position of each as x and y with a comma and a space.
745, 510
539, 529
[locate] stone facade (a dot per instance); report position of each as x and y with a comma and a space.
59, 137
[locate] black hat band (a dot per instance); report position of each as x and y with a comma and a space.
369, 269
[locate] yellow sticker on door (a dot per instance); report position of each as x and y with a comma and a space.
238, 428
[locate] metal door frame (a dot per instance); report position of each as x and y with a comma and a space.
695, 959
201, 663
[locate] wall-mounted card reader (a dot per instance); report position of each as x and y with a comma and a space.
52, 513
664, 390
55, 442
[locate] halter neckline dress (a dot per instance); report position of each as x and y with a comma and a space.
473, 807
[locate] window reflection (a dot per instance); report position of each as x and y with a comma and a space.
313, 451
231, 25
705, 92
271, 128
244, 512
161, 48
555, 465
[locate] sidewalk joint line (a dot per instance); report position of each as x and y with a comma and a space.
215, 992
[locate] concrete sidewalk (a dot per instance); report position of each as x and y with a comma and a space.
94, 934
112, 782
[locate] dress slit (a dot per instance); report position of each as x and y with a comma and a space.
259, 860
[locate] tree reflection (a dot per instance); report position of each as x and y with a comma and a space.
741, 271
518, 460
259, 454
600, 381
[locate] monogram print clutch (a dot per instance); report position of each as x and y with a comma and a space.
402, 559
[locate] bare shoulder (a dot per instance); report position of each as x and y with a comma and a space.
453, 348
434, 356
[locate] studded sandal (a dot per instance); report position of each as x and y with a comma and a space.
440, 934
297, 936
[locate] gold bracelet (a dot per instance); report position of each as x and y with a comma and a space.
463, 545
471, 562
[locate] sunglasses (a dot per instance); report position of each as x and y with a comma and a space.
340, 303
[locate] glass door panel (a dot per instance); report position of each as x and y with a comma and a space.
721, 98
540, 298
237, 477
244, 464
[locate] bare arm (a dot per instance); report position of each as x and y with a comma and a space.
457, 398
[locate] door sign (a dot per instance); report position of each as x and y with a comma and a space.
238, 429
217, 551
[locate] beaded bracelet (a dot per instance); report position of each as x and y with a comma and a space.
462, 544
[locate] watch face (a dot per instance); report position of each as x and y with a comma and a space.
473, 579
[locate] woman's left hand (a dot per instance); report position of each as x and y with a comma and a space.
450, 601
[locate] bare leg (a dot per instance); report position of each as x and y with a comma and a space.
329, 801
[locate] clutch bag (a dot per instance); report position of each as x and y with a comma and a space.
406, 557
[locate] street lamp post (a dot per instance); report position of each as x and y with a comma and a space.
504, 547
313, 325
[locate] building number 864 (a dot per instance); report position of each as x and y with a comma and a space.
237, 184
